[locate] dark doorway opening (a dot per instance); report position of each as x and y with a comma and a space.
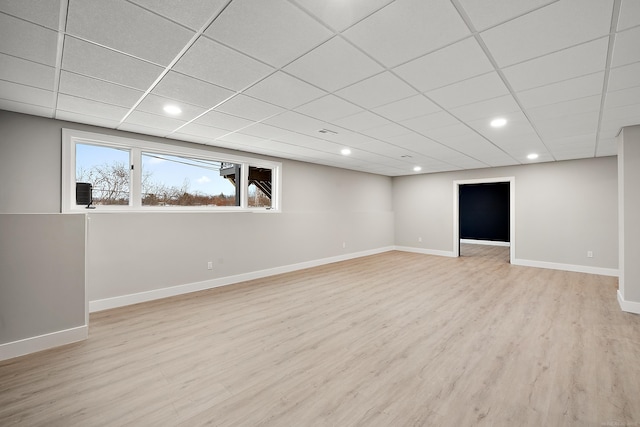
484, 225
484, 211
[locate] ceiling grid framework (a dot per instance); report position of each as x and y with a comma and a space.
402, 83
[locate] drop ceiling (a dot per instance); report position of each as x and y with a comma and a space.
401, 83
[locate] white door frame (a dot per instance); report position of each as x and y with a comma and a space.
512, 211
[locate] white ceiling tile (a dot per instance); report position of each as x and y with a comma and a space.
621, 98
155, 104
432, 50
421, 144
153, 120
626, 48
459, 137
629, 14
45, 13
128, 28
21, 107
385, 131
517, 129
285, 91
223, 121
457, 131
577, 61
565, 108
334, 65
407, 108
275, 32
300, 140
469, 91
89, 120
105, 64
88, 107
178, 136
27, 40
202, 131
549, 29
340, 14
329, 108
346, 137
269, 146
298, 123
25, 72
490, 108
26, 94
378, 90
430, 121
578, 87
407, 29
624, 77
192, 91
577, 124
98, 90
191, 13
448, 65
572, 153
616, 118
144, 130
397, 153
607, 147
485, 14
465, 162
262, 130
217, 64
588, 140
249, 108
361, 121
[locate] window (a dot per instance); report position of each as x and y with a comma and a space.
135, 175
184, 181
259, 190
107, 170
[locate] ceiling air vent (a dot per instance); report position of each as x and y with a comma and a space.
327, 131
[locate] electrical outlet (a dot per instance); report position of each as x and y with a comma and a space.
419, 239
210, 265
589, 254
344, 245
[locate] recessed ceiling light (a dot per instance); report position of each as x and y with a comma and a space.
174, 110
498, 123
417, 169
532, 156
345, 151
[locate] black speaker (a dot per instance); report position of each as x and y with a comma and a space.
84, 194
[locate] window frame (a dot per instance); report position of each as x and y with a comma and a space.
71, 137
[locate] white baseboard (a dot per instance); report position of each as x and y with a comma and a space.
567, 267
484, 242
424, 251
43, 342
124, 300
628, 306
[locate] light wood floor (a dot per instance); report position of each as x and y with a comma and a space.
395, 339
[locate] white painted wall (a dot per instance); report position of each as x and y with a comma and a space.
562, 209
629, 211
129, 253
42, 283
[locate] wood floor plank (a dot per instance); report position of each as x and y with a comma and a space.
392, 339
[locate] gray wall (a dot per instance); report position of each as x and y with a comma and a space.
42, 286
629, 168
562, 209
322, 207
